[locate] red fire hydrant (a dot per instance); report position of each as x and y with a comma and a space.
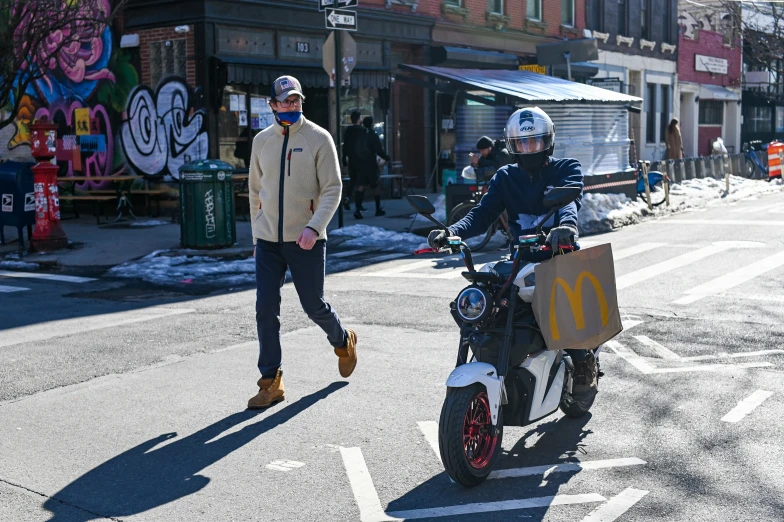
48, 233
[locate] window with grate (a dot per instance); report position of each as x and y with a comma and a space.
757, 119
495, 6
567, 12
534, 10
664, 117
167, 59
711, 112
650, 119
622, 17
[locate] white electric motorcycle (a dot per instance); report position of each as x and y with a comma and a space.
511, 378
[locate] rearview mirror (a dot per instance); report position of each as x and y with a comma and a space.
561, 196
421, 204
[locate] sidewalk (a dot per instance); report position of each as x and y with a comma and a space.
105, 246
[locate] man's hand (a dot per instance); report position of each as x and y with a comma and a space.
437, 239
561, 236
474, 159
307, 239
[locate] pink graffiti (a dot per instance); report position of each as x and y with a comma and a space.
84, 46
96, 165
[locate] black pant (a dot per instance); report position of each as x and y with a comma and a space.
307, 273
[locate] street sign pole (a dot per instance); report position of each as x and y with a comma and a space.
336, 35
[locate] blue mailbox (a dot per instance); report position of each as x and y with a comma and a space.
17, 199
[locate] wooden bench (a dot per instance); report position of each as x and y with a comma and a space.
147, 193
97, 200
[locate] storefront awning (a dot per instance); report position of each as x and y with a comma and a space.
460, 57
716, 92
309, 77
523, 85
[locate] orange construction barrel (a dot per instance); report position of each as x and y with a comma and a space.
775, 159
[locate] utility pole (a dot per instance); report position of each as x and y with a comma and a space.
338, 79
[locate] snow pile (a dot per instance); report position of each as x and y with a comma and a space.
18, 265
377, 238
605, 212
160, 268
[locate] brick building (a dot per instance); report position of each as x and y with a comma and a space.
709, 72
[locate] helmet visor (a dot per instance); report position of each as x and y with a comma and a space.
530, 144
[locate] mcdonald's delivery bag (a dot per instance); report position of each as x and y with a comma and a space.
575, 301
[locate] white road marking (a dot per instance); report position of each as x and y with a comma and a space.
747, 405
386, 257
405, 267
77, 326
724, 355
505, 505
284, 465
732, 279
630, 321
616, 506
430, 431
370, 509
48, 277
649, 272
664, 353
9, 289
564, 467
718, 222
648, 369
347, 253
458, 272
753, 210
639, 249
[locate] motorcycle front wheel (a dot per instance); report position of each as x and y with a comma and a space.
468, 447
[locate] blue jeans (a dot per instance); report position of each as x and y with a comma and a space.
307, 273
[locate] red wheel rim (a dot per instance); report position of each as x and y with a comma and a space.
478, 443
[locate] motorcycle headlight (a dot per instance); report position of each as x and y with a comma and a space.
473, 304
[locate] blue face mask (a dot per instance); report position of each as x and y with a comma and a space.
288, 118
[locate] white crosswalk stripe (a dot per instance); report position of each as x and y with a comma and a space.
47, 277
346, 253
9, 289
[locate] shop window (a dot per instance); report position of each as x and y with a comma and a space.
650, 120
567, 12
711, 112
495, 6
167, 59
533, 10
665, 111
757, 119
622, 17
455, 3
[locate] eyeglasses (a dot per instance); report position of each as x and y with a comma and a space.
289, 103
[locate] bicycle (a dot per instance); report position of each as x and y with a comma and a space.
462, 209
656, 179
752, 161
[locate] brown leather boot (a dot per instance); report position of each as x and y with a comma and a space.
270, 392
347, 354
585, 374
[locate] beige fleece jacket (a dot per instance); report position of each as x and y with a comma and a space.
294, 181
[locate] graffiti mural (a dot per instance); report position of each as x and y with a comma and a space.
87, 82
163, 130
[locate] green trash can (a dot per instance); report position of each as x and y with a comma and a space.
207, 205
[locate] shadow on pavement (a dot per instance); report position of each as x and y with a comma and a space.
144, 478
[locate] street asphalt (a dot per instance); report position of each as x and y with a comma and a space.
125, 401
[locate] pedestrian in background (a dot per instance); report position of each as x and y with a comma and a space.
351, 142
674, 140
368, 169
295, 188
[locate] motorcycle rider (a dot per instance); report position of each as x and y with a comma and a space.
519, 189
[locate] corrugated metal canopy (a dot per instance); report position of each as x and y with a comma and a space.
717, 92
524, 85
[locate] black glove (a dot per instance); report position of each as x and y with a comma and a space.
437, 239
561, 236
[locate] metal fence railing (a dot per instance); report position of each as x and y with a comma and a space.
712, 167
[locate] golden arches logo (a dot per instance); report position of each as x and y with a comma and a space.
575, 298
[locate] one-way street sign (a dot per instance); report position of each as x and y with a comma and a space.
339, 4
340, 19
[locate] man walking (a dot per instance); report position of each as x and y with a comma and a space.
353, 138
368, 170
295, 188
